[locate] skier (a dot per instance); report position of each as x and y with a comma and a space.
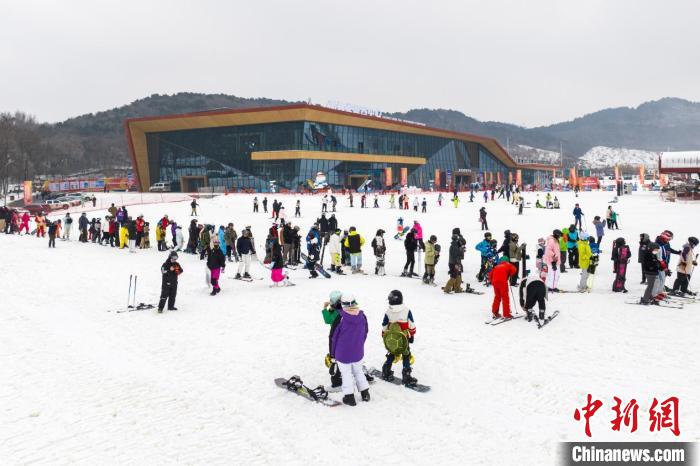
230, 238
499, 277
297, 209
521, 206
392, 201
350, 199
593, 265
562, 248
572, 247
279, 278
432, 254
324, 203
82, 225
652, 267
348, 348
555, 203
483, 248
611, 216
644, 242
354, 243
455, 201
419, 235
194, 205
376, 201
410, 244
331, 316
599, 228
179, 238
665, 251
363, 201
379, 249
578, 213
456, 255
54, 230
533, 290
264, 203
439, 199
584, 260
515, 253
24, 225
398, 318
67, 225
245, 249
405, 201
204, 242
255, 204
415, 204
170, 270
551, 259
216, 263
334, 250
686, 264
334, 202
424, 206
620, 256
482, 218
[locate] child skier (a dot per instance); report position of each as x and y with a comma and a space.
279, 278
398, 319
432, 254
584, 260
685, 268
216, 263
499, 277
593, 265
335, 251
652, 267
331, 316
483, 248
348, 348
551, 259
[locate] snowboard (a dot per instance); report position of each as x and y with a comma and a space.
304, 392
377, 374
401, 233
524, 258
319, 268
546, 320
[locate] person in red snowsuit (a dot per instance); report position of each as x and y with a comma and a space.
25, 223
500, 279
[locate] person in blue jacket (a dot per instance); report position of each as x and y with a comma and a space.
578, 213
572, 247
483, 248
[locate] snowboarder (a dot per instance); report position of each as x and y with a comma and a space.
499, 277
170, 270
313, 240
348, 349
398, 319
216, 263
621, 257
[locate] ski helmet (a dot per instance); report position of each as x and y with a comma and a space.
395, 298
503, 259
693, 240
433, 238
335, 296
653, 246
173, 256
348, 299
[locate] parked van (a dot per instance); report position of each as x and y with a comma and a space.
160, 187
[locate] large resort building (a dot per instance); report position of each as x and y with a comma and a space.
302, 146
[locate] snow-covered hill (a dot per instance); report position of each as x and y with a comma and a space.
529, 154
602, 157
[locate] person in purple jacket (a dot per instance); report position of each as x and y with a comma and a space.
349, 348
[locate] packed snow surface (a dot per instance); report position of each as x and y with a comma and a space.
83, 384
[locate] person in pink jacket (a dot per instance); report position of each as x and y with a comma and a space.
419, 235
552, 258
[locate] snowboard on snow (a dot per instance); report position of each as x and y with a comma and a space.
295, 385
319, 268
377, 374
400, 234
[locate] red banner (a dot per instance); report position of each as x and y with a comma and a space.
388, 180
27, 192
437, 178
519, 177
404, 176
641, 175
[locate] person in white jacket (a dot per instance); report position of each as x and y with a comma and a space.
179, 238
335, 252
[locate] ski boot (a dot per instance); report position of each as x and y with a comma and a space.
387, 373
404, 274
528, 316
407, 379
247, 275
541, 314
365, 394
238, 276
349, 400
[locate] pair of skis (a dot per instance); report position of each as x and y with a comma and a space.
131, 298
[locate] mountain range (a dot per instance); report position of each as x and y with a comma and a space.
97, 140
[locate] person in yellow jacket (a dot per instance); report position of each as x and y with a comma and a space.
354, 243
159, 237
123, 236
584, 260
455, 201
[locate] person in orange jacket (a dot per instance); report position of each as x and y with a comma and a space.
500, 279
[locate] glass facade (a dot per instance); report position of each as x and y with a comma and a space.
223, 155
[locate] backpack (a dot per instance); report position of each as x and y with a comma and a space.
396, 340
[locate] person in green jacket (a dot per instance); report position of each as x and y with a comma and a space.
331, 316
584, 260
563, 248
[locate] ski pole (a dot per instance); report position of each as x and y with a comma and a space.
136, 277
514, 302
128, 296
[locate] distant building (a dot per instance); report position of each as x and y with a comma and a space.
679, 162
292, 144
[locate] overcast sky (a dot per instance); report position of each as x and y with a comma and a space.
527, 62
